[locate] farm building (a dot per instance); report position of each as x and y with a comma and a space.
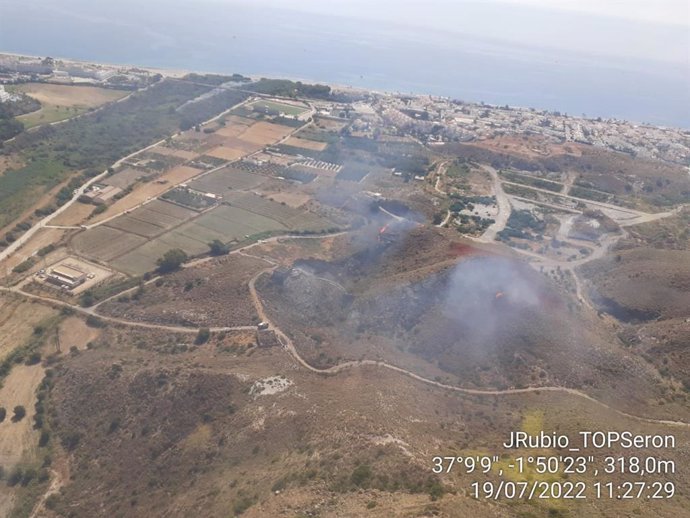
66, 275
100, 194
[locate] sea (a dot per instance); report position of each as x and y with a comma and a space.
392, 56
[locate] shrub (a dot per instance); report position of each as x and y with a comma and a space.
71, 440
218, 247
87, 299
24, 266
19, 413
46, 250
3, 413
171, 260
361, 475
43, 440
243, 504
202, 336
94, 321
15, 477
28, 475
33, 359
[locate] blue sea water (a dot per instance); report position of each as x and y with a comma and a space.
250, 39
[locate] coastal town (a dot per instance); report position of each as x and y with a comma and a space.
435, 119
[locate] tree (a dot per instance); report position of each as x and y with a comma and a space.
45, 437
3, 413
34, 358
202, 336
94, 321
19, 413
218, 247
171, 260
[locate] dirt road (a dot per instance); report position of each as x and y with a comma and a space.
290, 347
504, 207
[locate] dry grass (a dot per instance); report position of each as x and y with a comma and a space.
17, 321
306, 144
59, 102
306, 441
264, 133
226, 153
17, 439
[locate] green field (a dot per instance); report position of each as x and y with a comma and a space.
226, 223
223, 223
272, 106
49, 114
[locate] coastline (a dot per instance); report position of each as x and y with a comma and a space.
178, 73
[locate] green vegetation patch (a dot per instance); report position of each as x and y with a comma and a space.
189, 198
286, 88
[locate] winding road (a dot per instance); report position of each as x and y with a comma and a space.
504, 210
290, 347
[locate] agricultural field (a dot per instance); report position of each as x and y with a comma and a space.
324, 129
36, 249
149, 190
60, 102
233, 126
291, 218
130, 230
306, 143
226, 179
225, 153
532, 181
354, 172
105, 243
463, 179
134, 242
264, 133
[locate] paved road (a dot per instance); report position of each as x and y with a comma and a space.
638, 215
21, 240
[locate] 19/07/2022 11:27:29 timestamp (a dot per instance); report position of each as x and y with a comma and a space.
600, 474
